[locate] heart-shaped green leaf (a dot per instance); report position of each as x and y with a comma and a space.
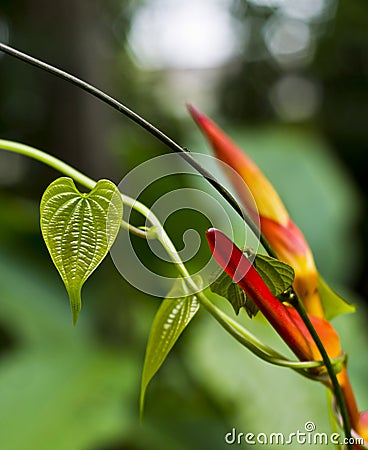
172, 317
79, 230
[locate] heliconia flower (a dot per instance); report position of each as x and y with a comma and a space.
284, 236
285, 319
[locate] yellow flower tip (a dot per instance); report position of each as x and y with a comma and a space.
267, 200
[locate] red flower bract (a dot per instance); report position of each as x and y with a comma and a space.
283, 318
284, 236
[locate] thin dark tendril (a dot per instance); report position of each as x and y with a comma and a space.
174, 146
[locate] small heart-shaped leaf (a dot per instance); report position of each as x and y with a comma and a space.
79, 230
223, 285
170, 321
276, 274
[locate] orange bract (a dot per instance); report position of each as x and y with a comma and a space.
283, 235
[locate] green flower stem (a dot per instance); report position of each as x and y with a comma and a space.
257, 347
331, 372
49, 160
331, 413
238, 332
134, 230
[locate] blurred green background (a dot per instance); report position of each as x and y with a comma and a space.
288, 81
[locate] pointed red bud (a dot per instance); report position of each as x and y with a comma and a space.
284, 319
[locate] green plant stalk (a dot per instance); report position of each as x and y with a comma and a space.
230, 325
333, 422
335, 384
66, 169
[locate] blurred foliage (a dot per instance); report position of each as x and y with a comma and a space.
78, 389
56, 381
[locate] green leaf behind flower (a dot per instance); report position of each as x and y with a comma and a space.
277, 275
333, 304
223, 285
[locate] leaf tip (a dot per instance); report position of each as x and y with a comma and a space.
75, 315
75, 306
